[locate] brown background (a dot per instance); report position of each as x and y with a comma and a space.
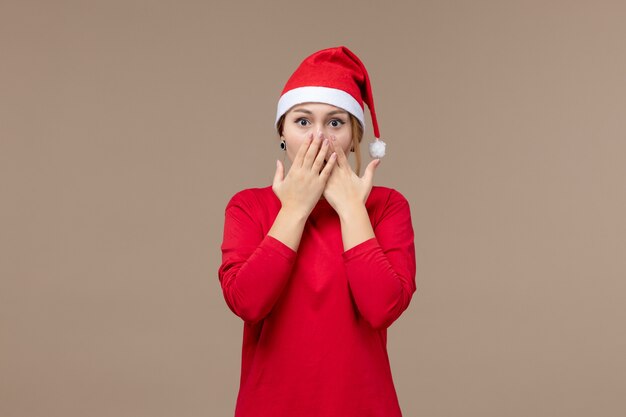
126, 126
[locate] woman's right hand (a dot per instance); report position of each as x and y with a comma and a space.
301, 189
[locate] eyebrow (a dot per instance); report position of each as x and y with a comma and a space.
328, 114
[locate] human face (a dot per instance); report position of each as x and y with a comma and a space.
306, 118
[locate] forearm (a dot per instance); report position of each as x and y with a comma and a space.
252, 285
356, 226
255, 266
288, 227
381, 280
380, 292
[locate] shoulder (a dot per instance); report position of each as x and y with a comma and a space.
386, 196
253, 207
251, 198
387, 205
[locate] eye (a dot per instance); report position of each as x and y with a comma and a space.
337, 122
302, 121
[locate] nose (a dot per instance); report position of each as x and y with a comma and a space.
325, 135
323, 131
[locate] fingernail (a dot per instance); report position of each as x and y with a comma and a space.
326, 141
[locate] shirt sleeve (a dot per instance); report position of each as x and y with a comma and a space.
255, 266
381, 270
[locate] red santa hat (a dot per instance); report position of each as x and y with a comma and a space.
334, 76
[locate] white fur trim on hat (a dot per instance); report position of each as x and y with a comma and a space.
332, 96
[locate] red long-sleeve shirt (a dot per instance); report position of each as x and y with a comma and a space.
315, 320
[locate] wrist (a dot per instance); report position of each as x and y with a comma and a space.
294, 213
356, 226
350, 210
288, 226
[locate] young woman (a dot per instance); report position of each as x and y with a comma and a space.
319, 264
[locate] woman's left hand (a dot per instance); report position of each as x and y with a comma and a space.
344, 188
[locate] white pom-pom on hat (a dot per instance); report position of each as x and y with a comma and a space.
377, 148
334, 76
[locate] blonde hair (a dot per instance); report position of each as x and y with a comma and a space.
357, 136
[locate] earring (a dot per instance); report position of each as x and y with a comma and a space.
283, 145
